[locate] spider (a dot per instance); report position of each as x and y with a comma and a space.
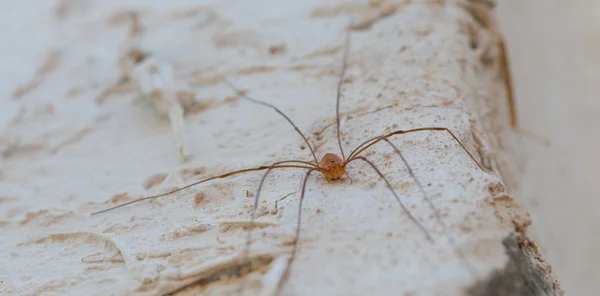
331, 167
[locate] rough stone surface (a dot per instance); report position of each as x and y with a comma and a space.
71, 148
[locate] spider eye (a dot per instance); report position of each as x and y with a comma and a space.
332, 161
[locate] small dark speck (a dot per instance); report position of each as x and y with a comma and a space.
302, 147
428, 184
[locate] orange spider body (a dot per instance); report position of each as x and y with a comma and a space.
332, 166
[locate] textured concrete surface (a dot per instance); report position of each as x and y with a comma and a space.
69, 150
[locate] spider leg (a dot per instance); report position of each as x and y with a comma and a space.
389, 186
439, 219
339, 88
256, 101
260, 168
370, 142
297, 238
246, 254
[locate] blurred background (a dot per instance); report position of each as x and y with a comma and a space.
554, 48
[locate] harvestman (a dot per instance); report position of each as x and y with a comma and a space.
332, 167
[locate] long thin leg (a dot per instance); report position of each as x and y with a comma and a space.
255, 208
298, 161
295, 247
256, 101
260, 168
389, 186
339, 89
370, 142
439, 219
246, 254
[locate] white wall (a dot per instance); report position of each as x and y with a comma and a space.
555, 56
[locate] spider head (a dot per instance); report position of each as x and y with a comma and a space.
333, 167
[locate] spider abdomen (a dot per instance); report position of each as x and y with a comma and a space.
332, 166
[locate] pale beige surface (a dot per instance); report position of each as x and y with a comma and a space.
555, 51
65, 155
